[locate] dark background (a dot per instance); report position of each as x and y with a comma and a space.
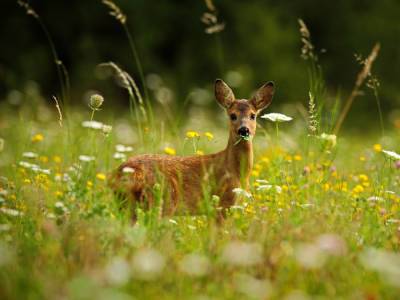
261, 41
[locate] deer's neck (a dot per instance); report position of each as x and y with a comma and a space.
239, 158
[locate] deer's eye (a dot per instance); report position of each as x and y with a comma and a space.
253, 116
233, 117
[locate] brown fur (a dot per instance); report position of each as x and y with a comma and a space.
185, 177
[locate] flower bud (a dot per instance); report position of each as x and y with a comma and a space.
96, 101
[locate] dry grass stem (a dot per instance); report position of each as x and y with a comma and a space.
29, 10
361, 77
307, 50
115, 11
60, 117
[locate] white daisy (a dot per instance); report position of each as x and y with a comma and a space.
277, 117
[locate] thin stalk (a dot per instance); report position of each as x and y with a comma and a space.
378, 103
140, 70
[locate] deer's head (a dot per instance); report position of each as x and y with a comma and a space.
243, 113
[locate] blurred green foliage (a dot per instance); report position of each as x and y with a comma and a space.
260, 42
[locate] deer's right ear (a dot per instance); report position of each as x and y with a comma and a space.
223, 93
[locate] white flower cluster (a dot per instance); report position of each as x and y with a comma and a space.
106, 129
33, 167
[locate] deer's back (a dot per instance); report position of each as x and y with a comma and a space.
184, 178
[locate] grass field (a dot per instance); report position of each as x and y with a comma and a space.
321, 219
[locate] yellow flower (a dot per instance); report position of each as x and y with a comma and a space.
209, 135
192, 134
362, 158
378, 147
358, 189
56, 159
37, 138
89, 184
363, 177
58, 193
101, 176
255, 173
297, 157
200, 152
326, 187
27, 181
44, 159
265, 160
288, 158
169, 151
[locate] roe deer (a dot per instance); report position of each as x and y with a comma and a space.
185, 177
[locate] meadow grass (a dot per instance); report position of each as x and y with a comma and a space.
321, 221
321, 218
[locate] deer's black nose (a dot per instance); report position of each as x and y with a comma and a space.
244, 131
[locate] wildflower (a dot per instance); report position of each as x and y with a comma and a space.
96, 101
27, 165
44, 159
118, 271
122, 148
195, 265
363, 177
209, 135
277, 117
192, 134
60, 208
397, 164
267, 187
332, 244
172, 221
391, 154
241, 192
377, 147
128, 170
242, 254
119, 155
297, 157
106, 129
86, 158
310, 256
57, 159
89, 184
11, 212
37, 138
169, 151
58, 194
358, 189
330, 138
385, 262
93, 125
29, 155
147, 264
101, 176
375, 199
200, 152
362, 158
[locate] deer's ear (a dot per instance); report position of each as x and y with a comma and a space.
223, 93
263, 96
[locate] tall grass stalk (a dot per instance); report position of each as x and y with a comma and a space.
129, 84
62, 71
213, 26
373, 84
117, 13
361, 77
315, 78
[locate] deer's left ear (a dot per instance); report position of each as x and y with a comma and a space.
263, 96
